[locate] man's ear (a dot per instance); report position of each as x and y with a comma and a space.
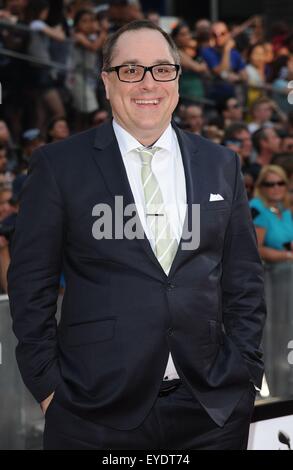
105, 79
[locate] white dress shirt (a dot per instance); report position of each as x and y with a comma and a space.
168, 168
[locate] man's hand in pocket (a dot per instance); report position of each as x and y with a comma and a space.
45, 403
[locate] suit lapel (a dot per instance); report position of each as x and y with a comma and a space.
109, 160
194, 183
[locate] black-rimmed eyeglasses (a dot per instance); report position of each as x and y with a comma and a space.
135, 73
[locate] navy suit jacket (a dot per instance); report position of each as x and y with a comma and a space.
121, 314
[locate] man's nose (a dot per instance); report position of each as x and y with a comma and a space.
148, 80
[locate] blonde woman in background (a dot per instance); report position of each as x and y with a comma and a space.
272, 215
273, 221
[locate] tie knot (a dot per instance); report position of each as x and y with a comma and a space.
146, 154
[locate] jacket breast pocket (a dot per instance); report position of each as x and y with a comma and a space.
216, 205
90, 332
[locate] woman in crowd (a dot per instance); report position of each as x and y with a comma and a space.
194, 69
256, 72
272, 215
274, 227
83, 81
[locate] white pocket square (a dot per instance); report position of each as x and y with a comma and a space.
216, 197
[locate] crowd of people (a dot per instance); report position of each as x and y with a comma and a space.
234, 89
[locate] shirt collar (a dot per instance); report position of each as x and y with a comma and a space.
127, 142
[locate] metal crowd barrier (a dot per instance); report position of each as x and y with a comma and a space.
29, 58
21, 419
278, 332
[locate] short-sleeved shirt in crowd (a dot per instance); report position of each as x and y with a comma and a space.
39, 47
278, 230
222, 89
40, 43
213, 58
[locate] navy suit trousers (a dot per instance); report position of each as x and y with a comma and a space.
175, 422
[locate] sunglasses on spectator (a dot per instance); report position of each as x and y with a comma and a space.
219, 35
273, 184
234, 106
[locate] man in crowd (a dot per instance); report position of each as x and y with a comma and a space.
267, 144
225, 62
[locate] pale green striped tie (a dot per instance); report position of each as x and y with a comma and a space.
165, 242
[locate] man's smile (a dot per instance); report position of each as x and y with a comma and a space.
150, 102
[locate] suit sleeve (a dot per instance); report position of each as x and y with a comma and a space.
242, 283
33, 278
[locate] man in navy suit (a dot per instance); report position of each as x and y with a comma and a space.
158, 346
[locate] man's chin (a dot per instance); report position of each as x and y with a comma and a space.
150, 123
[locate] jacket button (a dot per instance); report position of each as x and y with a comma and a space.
170, 331
170, 286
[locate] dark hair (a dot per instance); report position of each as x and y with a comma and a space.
277, 66
35, 8
257, 137
56, 13
190, 104
80, 13
135, 26
51, 126
251, 49
279, 27
176, 30
102, 15
2, 147
234, 129
242, 42
284, 160
223, 103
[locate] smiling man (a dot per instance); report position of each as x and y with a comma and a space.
158, 346
142, 103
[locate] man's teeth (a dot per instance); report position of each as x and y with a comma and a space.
147, 101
